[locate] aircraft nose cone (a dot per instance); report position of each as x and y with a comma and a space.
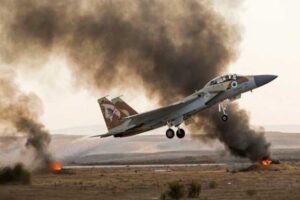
263, 79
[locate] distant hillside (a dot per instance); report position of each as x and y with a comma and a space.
83, 149
92, 129
283, 128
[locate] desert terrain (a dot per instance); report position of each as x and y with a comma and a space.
141, 167
273, 182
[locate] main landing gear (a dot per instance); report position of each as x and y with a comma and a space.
170, 133
180, 133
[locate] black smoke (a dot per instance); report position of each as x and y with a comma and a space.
19, 115
167, 48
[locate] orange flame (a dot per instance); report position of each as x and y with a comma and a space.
56, 166
266, 162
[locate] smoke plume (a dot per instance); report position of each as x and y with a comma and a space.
167, 48
19, 115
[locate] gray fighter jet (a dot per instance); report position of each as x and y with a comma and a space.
122, 120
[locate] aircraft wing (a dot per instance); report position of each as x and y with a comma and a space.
151, 117
157, 114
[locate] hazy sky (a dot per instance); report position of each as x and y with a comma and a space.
271, 45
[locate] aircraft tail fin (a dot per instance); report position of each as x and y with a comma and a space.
124, 107
112, 115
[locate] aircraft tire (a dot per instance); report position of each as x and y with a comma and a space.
180, 133
170, 133
224, 118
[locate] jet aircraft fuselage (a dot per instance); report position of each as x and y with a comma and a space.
122, 120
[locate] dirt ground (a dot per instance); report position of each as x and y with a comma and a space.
274, 182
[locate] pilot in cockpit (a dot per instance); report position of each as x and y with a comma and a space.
222, 79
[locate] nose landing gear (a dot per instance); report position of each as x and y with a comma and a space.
224, 118
222, 108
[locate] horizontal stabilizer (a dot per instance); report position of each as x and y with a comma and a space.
103, 135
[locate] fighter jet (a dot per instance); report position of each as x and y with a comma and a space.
122, 120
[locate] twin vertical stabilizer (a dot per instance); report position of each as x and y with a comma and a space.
115, 111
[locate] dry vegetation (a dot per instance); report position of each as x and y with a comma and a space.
150, 183
14, 175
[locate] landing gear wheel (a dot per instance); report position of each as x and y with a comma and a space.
180, 133
170, 133
224, 118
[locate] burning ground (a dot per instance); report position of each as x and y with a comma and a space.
157, 149
150, 183
168, 49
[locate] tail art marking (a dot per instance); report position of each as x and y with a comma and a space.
110, 111
112, 115
123, 107
115, 111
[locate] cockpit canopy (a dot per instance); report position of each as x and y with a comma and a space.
222, 79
